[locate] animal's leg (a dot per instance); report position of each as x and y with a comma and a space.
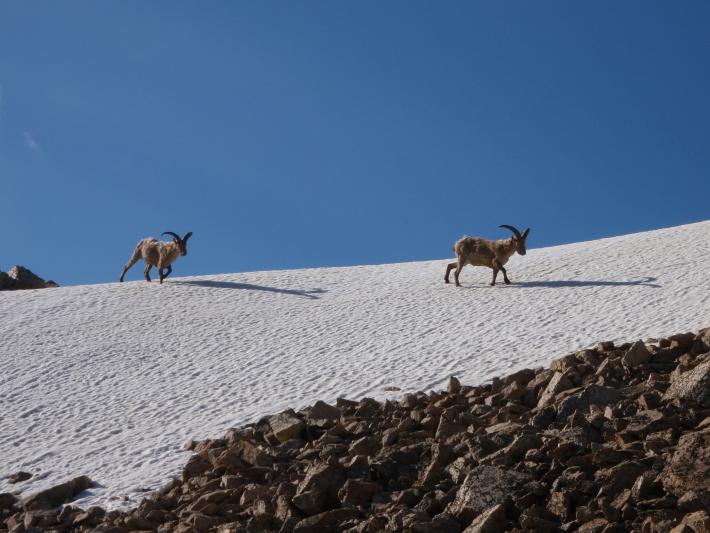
460, 262
146, 272
449, 268
160, 272
169, 271
132, 261
505, 275
496, 267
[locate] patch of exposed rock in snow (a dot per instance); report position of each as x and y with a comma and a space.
111, 380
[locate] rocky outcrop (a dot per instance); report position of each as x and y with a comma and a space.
19, 278
615, 438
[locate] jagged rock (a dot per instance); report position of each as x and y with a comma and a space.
358, 492
19, 278
636, 355
693, 385
17, 477
563, 364
484, 487
285, 426
558, 383
698, 522
57, 495
489, 521
196, 466
6, 281
650, 421
584, 399
324, 521
318, 491
691, 501
689, 468
454, 385
322, 415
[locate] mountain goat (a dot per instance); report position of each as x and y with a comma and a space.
481, 252
159, 254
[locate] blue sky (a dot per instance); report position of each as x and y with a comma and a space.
295, 134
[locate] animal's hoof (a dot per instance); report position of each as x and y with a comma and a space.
507, 282
458, 284
446, 281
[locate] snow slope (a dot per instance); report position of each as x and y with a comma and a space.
111, 380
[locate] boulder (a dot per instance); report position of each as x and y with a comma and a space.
322, 415
19, 278
689, 468
483, 488
637, 355
325, 521
17, 477
557, 384
489, 521
57, 495
285, 426
693, 385
318, 491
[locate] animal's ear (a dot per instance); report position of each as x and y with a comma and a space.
525, 233
187, 236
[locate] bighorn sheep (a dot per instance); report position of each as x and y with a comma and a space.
159, 254
481, 252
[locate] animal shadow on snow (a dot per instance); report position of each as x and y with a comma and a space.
312, 294
553, 284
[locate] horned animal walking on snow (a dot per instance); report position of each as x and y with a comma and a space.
492, 254
159, 254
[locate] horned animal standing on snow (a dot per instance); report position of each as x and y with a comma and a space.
159, 254
481, 252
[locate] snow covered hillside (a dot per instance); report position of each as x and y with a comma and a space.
111, 380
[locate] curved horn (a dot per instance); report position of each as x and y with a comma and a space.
187, 236
511, 228
173, 234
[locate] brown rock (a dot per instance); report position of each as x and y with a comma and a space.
557, 384
693, 385
637, 355
326, 521
57, 495
563, 364
489, 521
319, 489
17, 477
440, 457
698, 521
689, 468
322, 415
286, 425
454, 385
358, 493
484, 487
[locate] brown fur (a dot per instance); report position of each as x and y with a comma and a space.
475, 251
159, 254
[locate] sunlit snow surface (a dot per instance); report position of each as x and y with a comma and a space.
111, 380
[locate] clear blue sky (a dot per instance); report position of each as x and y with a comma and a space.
294, 134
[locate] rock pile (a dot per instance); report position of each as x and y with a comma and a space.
19, 277
615, 438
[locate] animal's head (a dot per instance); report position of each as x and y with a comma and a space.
181, 243
518, 239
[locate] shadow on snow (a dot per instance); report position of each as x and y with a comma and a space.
644, 282
313, 294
